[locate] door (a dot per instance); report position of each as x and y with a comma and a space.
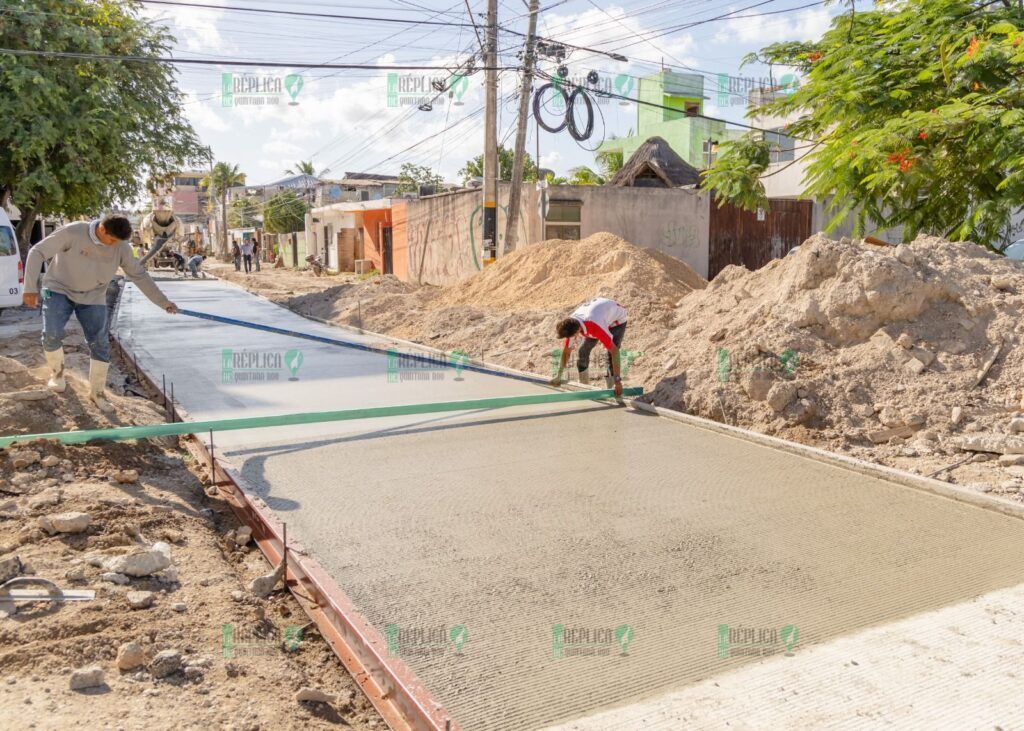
12, 273
753, 238
389, 263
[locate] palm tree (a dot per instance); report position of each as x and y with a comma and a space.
223, 176
610, 162
305, 167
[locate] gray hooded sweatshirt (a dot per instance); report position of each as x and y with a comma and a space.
81, 266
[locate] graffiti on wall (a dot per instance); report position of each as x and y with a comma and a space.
678, 237
442, 236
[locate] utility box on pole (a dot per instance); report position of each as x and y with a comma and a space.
491, 172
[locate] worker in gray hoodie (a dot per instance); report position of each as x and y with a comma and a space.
81, 260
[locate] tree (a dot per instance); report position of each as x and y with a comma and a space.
243, 212
80, 134
284, 213
223, 176
609, 162
305, 167
583, 175
475, 168
411, 177
912, 115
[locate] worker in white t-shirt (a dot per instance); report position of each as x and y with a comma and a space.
599, 320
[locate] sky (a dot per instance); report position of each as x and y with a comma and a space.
345, 121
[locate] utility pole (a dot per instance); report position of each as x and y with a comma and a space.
491, 171
518, 161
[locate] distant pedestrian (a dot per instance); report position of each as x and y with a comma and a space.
194, 263
236, 254
247, 255
179, 263
256, 253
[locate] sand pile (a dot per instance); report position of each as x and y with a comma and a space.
852, 344
508, 312
557, 273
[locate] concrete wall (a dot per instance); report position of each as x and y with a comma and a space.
437, 240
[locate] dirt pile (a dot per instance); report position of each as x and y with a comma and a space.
557, 274
853, 344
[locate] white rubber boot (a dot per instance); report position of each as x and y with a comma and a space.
55, 359
585, 377
97, 384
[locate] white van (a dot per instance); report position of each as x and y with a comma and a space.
12, 272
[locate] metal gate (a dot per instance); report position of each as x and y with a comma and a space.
753, 238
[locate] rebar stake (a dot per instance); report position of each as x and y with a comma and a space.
163, 392
174, 418
213, 463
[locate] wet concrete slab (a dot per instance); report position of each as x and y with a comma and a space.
538, 565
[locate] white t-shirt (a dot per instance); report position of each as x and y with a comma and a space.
598, 316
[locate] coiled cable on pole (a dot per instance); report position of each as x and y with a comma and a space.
570, 115
566, 99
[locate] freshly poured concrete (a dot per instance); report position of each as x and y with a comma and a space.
509, 522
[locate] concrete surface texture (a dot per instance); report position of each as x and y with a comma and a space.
534, 566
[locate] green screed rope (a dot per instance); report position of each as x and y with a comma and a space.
310, 417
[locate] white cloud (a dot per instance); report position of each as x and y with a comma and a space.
804, 25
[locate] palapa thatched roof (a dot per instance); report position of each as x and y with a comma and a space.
655, 165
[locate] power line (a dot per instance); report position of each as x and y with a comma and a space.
304, 14
237, 62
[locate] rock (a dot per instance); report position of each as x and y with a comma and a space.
49, 460
130, 656
1016, 426
1002, 282
924, 355
126, 477
9, 365
193, 673
46, 499
243, 535
312, 695
864, 410
140, 599
140, 563
237, 596
905, 341
1011, 460
913, 419
179, 606
1009, 486
913, 366
1017, 471
76, 573
65, 522
22, 480
756, 383
9, 568
9, 509
956, 415
993, 443
90, 677
905, 255
880, 436
801, 411
24, 458
717, 335
31, 394
890, 416
781, 394
166, 662
114, 578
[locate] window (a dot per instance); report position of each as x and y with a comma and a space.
563, 220
781, 146
692, 109
7, 247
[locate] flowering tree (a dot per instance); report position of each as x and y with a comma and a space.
911, 114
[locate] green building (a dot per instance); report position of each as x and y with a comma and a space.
680, 99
